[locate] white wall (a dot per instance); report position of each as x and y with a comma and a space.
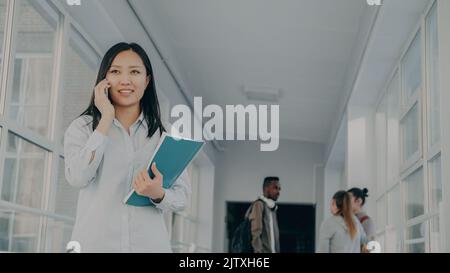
361, 153
333, 183
320, 202
240, 171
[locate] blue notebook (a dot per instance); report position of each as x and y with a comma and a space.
172, 156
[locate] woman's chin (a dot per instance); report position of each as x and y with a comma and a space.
125, 103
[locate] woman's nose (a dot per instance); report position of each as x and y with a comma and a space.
125, 80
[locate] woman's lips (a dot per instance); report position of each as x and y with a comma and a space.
125, 92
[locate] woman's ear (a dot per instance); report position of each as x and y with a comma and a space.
149, 78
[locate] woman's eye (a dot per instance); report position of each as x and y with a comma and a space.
114, 71
135, 72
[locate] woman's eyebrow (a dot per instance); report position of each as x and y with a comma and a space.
133, 66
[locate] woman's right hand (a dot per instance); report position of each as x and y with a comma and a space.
102, 101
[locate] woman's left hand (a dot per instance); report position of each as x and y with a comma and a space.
152, 188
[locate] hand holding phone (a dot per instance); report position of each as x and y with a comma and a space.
102, 101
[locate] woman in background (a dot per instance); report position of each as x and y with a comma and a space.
358, 197
341, 232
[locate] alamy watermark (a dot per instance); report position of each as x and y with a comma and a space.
73, 2
257, 127
373, 2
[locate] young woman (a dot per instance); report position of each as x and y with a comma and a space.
107, 150
341, 232
358, 200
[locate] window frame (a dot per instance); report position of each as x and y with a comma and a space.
64, 25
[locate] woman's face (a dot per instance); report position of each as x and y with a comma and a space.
128, 78
356, 203
333, 208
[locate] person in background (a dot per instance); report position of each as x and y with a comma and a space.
358, 197
341, 232
263, 218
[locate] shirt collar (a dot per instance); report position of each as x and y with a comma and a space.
140, 121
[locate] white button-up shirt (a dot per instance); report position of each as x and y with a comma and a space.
103, 168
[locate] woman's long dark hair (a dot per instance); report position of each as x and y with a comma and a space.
149, 102
344, 205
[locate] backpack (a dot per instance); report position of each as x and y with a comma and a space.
241, 241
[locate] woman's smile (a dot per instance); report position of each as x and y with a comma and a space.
126, 92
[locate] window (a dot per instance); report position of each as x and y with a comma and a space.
413, 204
436, 245
38, 206
412, 70
410, 135
414, 199
66, 195
415, 238
393, 115
436, 184
58, 234
80, 73
2, 31
31, 89
432, 76
436, 242
19, 232
24, 173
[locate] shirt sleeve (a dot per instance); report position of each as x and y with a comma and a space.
256, 223
369, 228
83, 152
325, 235
363, 236
176, 198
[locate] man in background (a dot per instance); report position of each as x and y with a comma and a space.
263, 218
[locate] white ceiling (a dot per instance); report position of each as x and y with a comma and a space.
303, 47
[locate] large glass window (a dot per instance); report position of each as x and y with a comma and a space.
58, 234
24, 172
436, 208
410, 134
30, 102
40, 206
79, 78
66, 195
432, 76
436, 242
412, 69
19, 232
393, 130
414, 195
436, 184
2, 31
415, 236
